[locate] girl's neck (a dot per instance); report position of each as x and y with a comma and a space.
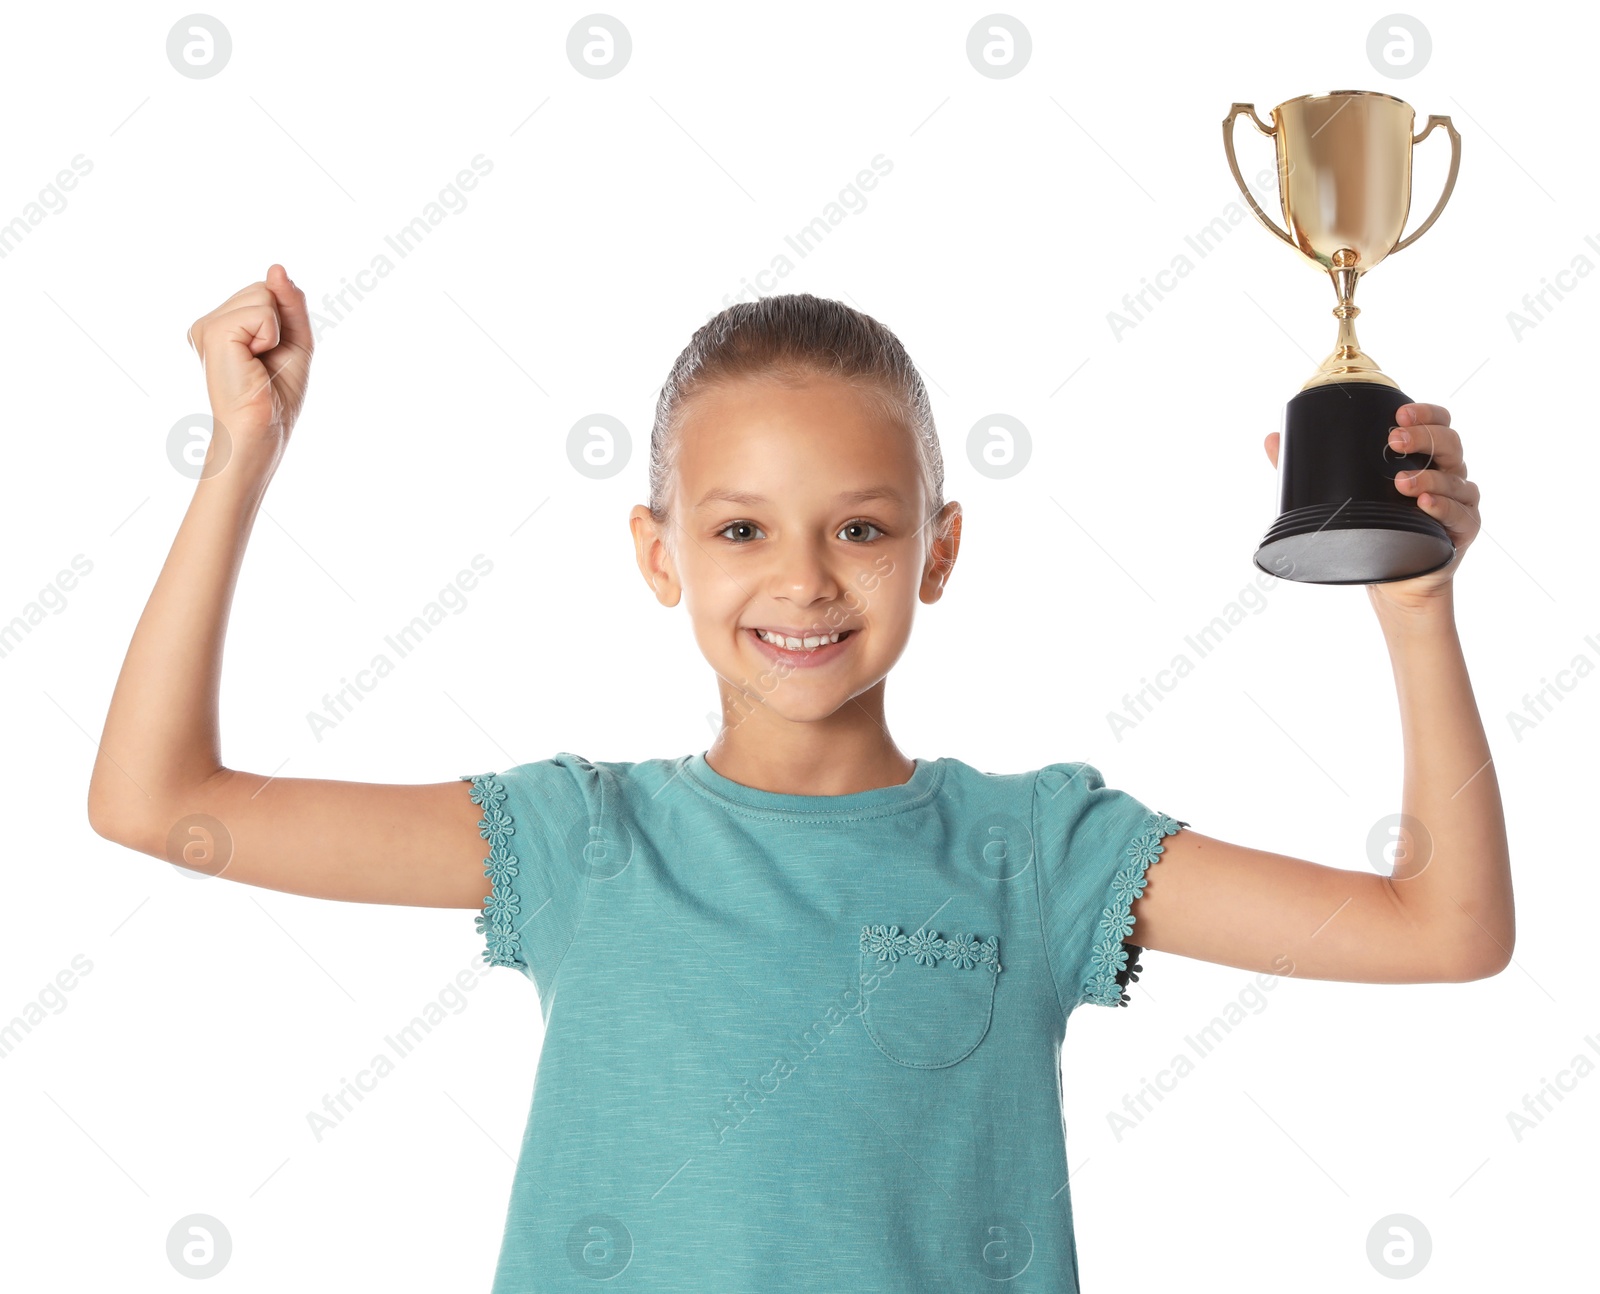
847, 752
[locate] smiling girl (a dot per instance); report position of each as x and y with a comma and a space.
804, 995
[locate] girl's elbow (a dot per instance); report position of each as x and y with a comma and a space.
1482, 959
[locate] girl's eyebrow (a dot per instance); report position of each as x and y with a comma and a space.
848, 496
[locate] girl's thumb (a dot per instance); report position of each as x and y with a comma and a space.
293, 318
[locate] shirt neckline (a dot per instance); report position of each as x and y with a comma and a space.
918, 788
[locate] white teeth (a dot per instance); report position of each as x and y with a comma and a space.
808, 643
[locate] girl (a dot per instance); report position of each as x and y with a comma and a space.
804, 996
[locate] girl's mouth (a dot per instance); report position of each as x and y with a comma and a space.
800, 650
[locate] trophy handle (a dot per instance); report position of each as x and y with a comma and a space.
1450, 180
1233, 165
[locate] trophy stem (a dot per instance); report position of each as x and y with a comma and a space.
1348, 362
1347, 346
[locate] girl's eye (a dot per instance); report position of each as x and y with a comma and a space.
852, 531
742, 532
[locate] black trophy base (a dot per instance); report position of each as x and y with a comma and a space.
1340, 518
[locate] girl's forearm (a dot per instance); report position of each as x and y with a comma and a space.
161, 732
1455, 876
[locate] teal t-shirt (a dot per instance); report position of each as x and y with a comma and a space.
803, 1043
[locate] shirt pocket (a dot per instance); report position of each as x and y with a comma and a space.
928, 998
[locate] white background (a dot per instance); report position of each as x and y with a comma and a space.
178, 1077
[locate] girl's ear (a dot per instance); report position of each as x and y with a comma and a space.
655, 559
946, 528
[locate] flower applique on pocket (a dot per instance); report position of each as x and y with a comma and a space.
928, 998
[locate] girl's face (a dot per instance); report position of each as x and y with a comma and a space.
797, 513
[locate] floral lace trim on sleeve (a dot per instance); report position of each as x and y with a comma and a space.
500, 908
1110, 966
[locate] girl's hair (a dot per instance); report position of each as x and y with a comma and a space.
787, 339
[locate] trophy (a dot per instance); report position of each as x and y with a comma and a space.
1344, 177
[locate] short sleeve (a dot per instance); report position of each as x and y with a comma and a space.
539, 823
1094, 846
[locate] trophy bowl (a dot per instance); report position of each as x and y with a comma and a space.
1344, 182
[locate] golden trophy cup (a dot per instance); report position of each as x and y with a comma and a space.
1344, 177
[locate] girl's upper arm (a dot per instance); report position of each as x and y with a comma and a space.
1261, 911
361, 842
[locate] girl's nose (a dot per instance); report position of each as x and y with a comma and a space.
801, 574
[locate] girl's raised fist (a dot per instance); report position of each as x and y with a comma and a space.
256, 351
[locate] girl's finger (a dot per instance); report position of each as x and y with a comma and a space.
1414, 415
1461, 521
1446, 485
1441, 444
